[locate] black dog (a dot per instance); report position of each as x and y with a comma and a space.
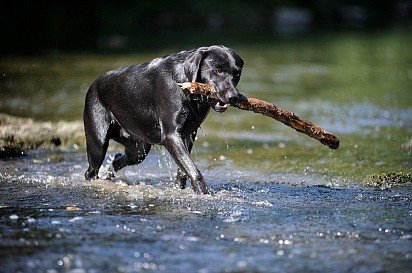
142, 105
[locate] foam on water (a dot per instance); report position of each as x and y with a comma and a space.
144, 223
280, 203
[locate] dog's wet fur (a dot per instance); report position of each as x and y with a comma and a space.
142, 105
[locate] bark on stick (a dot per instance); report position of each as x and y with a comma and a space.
270, 110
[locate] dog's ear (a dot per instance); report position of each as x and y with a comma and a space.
193, 62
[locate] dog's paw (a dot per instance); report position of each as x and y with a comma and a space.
180, 181
91, 174
110, 174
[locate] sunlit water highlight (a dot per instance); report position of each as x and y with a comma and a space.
53, 221
281, 202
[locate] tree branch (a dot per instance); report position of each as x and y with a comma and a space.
270, 110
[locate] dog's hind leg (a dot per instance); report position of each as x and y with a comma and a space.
97, 122
135, 153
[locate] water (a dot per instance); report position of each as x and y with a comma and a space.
52, 221
281, 202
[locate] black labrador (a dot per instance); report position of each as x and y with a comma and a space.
142, 105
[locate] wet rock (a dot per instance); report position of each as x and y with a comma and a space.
54, 158
10, 151
73, 208
388, 180
407, 146
20, 134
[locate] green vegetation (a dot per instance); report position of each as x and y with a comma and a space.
20, 134
356, 86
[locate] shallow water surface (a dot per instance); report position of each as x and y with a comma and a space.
281, 201
52, 221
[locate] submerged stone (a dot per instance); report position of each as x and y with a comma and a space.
407, 146
388, 180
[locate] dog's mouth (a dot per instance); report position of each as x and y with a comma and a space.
220, 107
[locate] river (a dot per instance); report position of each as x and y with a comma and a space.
281, 201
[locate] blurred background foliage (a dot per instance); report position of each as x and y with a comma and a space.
346, 65
36, 27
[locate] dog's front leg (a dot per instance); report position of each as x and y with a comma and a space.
176, 147
181, 176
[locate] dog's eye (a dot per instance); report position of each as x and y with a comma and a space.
218, 70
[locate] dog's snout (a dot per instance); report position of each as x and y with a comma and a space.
232, 99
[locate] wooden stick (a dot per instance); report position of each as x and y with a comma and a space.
270, 110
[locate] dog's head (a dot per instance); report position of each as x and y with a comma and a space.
219, 66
